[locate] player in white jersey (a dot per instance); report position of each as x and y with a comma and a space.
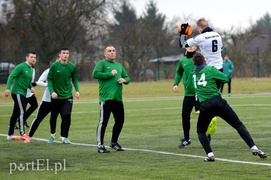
45, 106
210, 46
209, 43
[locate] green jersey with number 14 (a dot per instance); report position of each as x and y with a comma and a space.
205, 82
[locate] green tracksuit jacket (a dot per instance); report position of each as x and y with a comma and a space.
109, 89
205, 82
22, 76
60, 79
184, 71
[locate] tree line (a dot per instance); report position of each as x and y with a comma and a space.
87, 26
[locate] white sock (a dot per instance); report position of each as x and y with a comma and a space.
61, 138
254, 147
210, 154
53, 134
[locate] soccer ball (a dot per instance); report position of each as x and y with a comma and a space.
189, 29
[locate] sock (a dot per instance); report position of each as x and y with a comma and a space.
53, 134
254, 147
210, 154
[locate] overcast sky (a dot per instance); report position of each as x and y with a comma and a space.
220, 14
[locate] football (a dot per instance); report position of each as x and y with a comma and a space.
189, 29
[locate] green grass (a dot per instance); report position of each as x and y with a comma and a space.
151, 135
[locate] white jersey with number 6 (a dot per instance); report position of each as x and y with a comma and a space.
211, 46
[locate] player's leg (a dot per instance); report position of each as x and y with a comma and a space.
21, 100
18, 110
33, 106
55, 110
207, 112
187, 107
66, 119
229, 87
118, 113
105, 111
228, 114
43, 111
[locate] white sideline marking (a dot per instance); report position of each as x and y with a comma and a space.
162, 152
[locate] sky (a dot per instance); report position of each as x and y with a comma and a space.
220, 14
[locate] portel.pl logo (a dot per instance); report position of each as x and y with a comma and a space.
38, 165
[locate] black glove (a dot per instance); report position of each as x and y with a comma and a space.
183, 28
34, 84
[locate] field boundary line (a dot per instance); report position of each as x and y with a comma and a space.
161, 152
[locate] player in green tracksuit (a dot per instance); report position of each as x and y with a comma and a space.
111, 77
212, 104
184, 71
61, 76
22, 78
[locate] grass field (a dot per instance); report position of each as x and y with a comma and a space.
150, 136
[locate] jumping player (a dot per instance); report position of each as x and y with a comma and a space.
212, 104
209, 43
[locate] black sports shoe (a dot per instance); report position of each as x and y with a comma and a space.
184, 143
116, 146
209, 159
260, 153
102, 149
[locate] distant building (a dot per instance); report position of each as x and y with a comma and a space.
165, 66
168, 59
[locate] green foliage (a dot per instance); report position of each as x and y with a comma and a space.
151, 135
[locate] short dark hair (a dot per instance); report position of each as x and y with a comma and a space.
64, 49
30, 52
198, 59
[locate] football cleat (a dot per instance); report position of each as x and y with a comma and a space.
260, 153
24, 136
51, 140
116, 146
27, 140
13, 137
184, 143
102, 149
66, 141
209, 159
